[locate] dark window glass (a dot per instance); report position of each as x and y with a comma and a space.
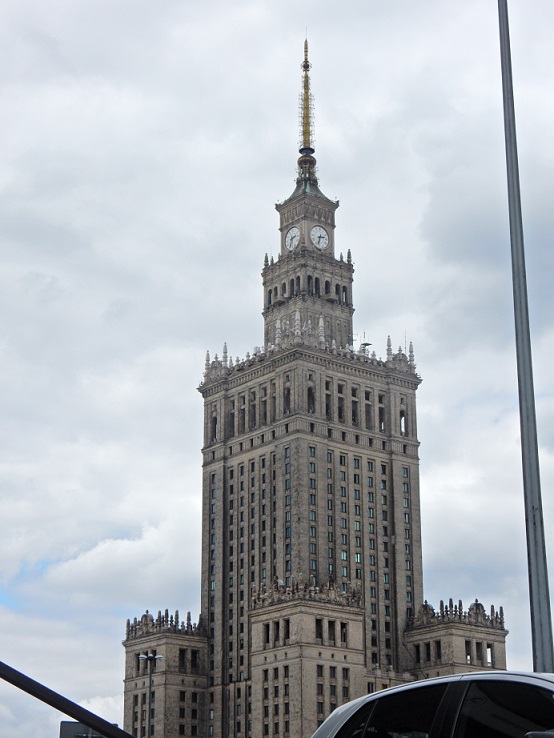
355, 727
409, 713
499, 709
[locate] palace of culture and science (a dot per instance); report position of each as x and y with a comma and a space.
312, 582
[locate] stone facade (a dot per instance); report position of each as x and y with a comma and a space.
453, 640
312, 581
177, 683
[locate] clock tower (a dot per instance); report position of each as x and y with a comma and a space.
308, 289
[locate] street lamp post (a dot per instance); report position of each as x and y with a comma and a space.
539, 596
151, 658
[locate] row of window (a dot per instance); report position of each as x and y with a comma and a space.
312, 286
259, 407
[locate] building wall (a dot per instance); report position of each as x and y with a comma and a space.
301, 669
179, 698
454, 641
311, 476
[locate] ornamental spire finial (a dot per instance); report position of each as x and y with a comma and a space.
306, 162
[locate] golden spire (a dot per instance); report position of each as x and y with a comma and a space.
306, 162
306, 102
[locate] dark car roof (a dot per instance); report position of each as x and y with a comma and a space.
342, 713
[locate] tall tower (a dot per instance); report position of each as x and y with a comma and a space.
312, 544
312, 590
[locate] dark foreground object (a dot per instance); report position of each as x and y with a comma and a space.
38, 690
490, 704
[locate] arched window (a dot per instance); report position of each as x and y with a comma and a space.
402, 423
317, 287
214, 428
297, 285
311, 400
345, 296
292, 288
337, 292
310, 285
286, 395
270, 297
327, 287
284, 289
275, 293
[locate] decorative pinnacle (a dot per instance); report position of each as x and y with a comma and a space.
306, 162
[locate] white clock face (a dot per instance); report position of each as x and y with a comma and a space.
320, 237
292, 238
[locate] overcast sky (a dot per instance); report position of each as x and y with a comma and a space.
142, 149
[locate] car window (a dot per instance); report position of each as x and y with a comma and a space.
500, 709
355, 727
408, 713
